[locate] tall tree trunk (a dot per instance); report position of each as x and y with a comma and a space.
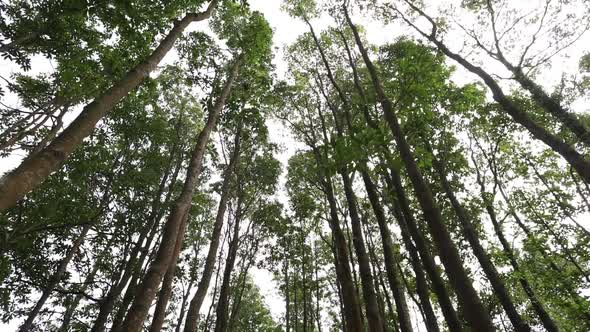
318, 310
147, 290
568, 152
422, 287
378, 273
166, 290
63, 265
207, 324
388, 253
222, 313
56, 277
33, 171
192, 316
409, 228
304, 281
136, 271
287, 291
543, 99
242, 277
133, 265
352, 312
473, 238
548, 323
184, 304
372, 309
475, 313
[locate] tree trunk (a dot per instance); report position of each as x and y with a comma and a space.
184, 304
475, 313
152, 227
56, 277
473, 238
33, 171
409, 228
147, 290
222, 313
372, 309
549, 104
134, 264
568, 152
538, 307
287, 292
166, 290
388, 254
317, 293
352, 312
192, 316
422, 287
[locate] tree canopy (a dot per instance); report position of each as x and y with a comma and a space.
177, 166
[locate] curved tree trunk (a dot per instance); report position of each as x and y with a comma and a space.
568, 152
33, 171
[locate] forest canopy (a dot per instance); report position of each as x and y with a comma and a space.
295, 165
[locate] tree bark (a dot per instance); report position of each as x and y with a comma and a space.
475, 313
422, 287
192, 316
568, 152
388, 254
372, 309
222, 313
473, 238
548, 323
166, 290
133, 265
33, 171
409, 231
147, 290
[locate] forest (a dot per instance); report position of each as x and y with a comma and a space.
294, 165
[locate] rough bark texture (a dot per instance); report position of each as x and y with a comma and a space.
147, 290
33, 171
